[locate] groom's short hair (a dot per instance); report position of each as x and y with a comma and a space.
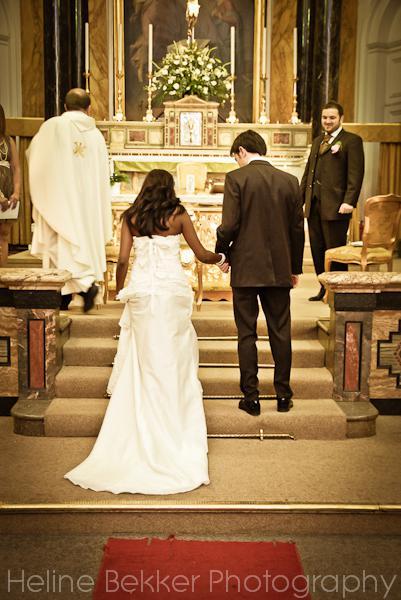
251, 141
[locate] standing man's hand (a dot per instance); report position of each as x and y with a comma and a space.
294, 280
345, 209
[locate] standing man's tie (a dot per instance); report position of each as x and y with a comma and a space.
325, 143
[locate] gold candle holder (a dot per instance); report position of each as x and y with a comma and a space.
232, 116
87, 75
119, 116
263, 116
294, 120
149, 114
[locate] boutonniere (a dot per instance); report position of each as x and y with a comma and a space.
336, 147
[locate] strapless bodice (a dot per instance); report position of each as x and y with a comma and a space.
156, 268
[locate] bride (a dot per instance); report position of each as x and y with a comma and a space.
153, 438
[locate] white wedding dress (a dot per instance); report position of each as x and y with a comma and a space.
153, 438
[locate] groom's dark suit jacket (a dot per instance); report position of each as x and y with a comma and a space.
262, 229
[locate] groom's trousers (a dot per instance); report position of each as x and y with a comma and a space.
275, 303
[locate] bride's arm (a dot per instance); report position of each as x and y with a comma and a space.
189, 233
123, 258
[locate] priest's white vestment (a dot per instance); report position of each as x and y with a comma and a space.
70, 190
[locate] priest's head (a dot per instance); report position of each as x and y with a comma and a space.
77, 99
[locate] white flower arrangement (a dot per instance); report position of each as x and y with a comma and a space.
191, 70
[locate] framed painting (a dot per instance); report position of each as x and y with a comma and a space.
213, 24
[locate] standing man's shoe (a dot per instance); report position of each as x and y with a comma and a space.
89, 297
284, 404
318, 296
252, 407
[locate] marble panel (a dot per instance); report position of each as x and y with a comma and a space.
347, 69
352, 356
49, 318
156, 137
386, 327
36, 353
339, 354
98, 59
281, 88
32, 61
9, 372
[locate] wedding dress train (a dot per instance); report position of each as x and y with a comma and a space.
153, 438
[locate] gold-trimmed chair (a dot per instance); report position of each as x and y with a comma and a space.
380, 234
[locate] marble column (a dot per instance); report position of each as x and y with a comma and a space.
64, 50
29, 335
320, 23
365, 338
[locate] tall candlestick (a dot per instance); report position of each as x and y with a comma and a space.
150, 49
295, 52
86, 47
120, 48
264, 52
232, 32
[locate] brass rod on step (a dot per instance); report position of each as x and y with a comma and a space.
238, 397
252, 436
230, 366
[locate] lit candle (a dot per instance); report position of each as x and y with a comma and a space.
264, 51
150, 48
120, 49
86, 47
232, 50
295, 52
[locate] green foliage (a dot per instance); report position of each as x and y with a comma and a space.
191, 70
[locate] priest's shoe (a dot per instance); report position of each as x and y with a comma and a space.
89, 297
284, 404
65, 301
252, 407
318, 296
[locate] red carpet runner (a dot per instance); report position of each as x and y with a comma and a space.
168, 569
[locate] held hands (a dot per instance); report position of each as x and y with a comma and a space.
223, 265
294, 280
345, 209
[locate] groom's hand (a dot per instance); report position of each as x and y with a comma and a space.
225, 267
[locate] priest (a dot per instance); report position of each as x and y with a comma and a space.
70, 190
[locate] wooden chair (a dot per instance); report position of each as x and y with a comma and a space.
380, 234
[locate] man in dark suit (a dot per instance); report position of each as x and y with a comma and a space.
262, 236
330, 187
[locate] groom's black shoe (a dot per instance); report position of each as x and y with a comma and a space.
318, 296
284, 404
252, 407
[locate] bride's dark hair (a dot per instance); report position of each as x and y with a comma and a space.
154, 205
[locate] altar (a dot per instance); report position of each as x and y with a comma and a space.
199, 169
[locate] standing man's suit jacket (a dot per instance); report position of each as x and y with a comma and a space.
263, 218
340, 175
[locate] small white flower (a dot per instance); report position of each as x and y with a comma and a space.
176, 86
213, 82
336, 148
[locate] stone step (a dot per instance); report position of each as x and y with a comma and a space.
91, 382
309, 419
217, 325
100, 352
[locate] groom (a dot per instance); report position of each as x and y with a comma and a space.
262, 236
